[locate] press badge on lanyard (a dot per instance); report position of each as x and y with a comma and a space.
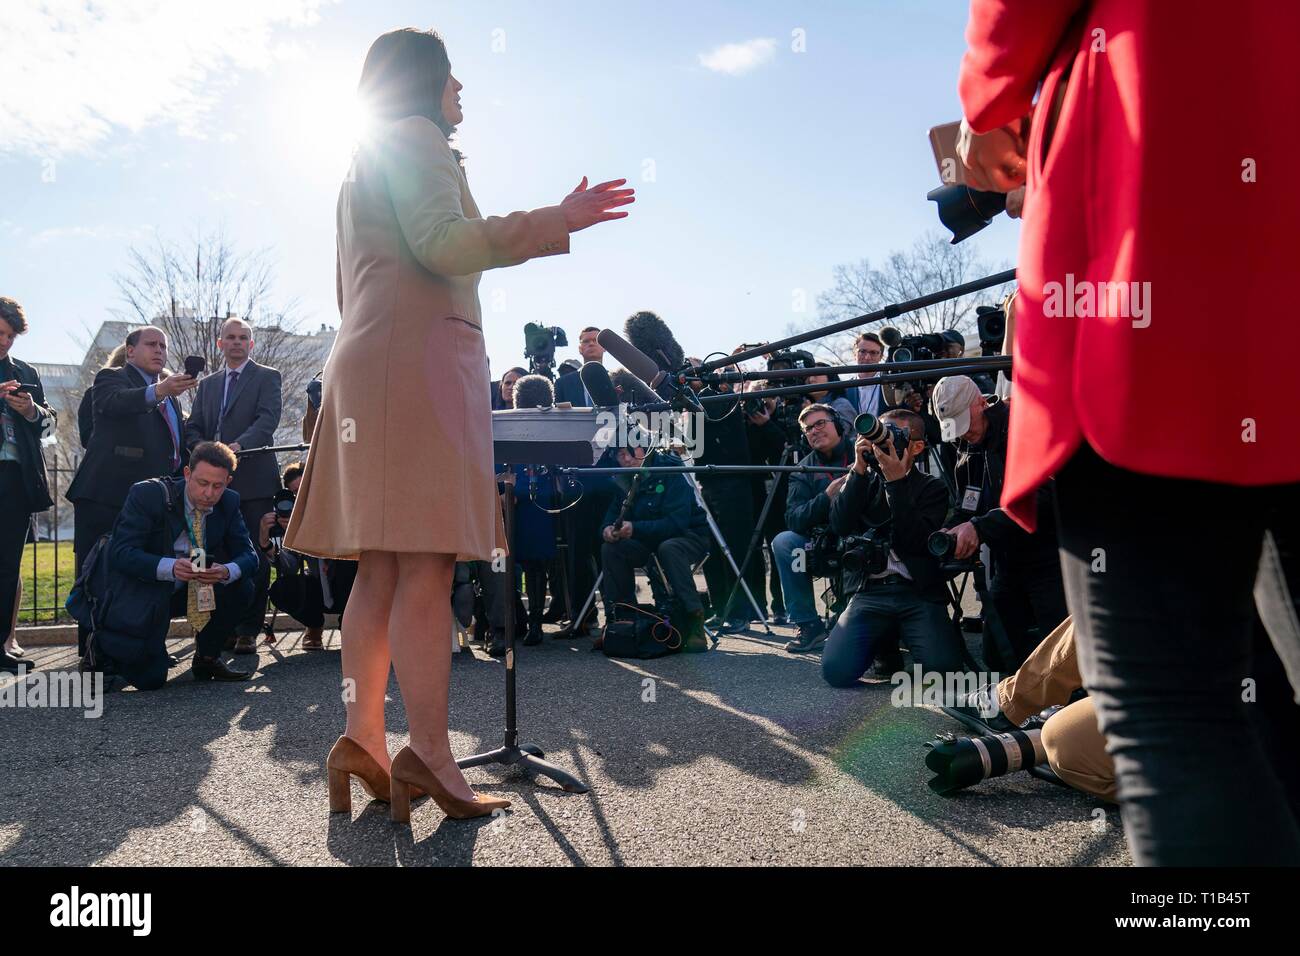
206, 597
970, 501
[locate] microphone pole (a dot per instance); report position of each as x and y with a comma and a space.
888, 312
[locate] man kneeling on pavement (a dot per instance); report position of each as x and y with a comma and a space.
179, 547
898, 588
1072, 740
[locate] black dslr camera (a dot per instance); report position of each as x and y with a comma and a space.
282, 505
865, 553
539, 346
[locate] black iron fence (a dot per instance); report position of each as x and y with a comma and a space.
47, 573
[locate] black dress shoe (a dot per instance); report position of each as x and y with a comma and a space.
212, 668
534, 635
498, 646
13, 664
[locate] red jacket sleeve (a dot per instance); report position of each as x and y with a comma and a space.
1009, 44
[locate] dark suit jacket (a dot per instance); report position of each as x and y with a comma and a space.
252, 416
138, 604
28, 435
130, 441
568, 388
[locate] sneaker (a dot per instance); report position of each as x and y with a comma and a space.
983, 705
812, 638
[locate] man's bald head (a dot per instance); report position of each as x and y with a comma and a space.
235, 341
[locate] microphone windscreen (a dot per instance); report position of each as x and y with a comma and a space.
598, 385
651, 335
628, 355
890, 335
633, 390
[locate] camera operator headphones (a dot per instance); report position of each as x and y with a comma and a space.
842, 427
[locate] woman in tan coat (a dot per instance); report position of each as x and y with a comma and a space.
400, 472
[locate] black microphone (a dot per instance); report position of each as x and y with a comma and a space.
634, 361
635, 391
598, 385
644, 368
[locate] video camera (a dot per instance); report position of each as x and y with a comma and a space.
912, 348
539, 347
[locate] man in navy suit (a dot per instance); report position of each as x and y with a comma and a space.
139, 433
569, 388
870, 396
179, 548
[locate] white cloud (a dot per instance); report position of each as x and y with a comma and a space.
738, 58
74, 71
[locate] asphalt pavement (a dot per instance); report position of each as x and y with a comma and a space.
741, 756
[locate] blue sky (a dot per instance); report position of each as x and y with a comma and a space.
138, 117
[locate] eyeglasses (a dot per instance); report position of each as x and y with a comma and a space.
810, 427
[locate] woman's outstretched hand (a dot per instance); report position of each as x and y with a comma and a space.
585, 207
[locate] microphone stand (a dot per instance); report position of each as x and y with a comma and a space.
511, 753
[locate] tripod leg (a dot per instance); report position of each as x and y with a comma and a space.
530, 749
754, 539
479, 760
586, 605
570, 783
726, 553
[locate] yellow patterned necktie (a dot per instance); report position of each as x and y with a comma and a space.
198, 619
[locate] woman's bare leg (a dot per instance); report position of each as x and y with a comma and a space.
366, 652
419, 634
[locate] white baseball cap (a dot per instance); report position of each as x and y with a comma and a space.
951, 401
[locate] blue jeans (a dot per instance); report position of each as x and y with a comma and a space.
890, 611
796, 586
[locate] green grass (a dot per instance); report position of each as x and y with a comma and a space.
43, 595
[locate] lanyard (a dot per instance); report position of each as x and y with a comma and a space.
189, 528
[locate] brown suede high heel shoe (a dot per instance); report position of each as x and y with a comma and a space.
411, 775
349, 758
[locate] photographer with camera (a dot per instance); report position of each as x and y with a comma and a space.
659, 517
1025, 583
808, 507
884, 513
305, 588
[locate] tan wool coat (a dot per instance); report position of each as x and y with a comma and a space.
401, 455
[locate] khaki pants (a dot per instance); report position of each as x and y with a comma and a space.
1075, 748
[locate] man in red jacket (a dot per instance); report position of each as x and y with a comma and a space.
1160, 213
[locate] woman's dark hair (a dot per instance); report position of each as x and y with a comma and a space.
830, 376
405, 74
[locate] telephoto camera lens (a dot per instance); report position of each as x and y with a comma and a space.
960, 762
869, 427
